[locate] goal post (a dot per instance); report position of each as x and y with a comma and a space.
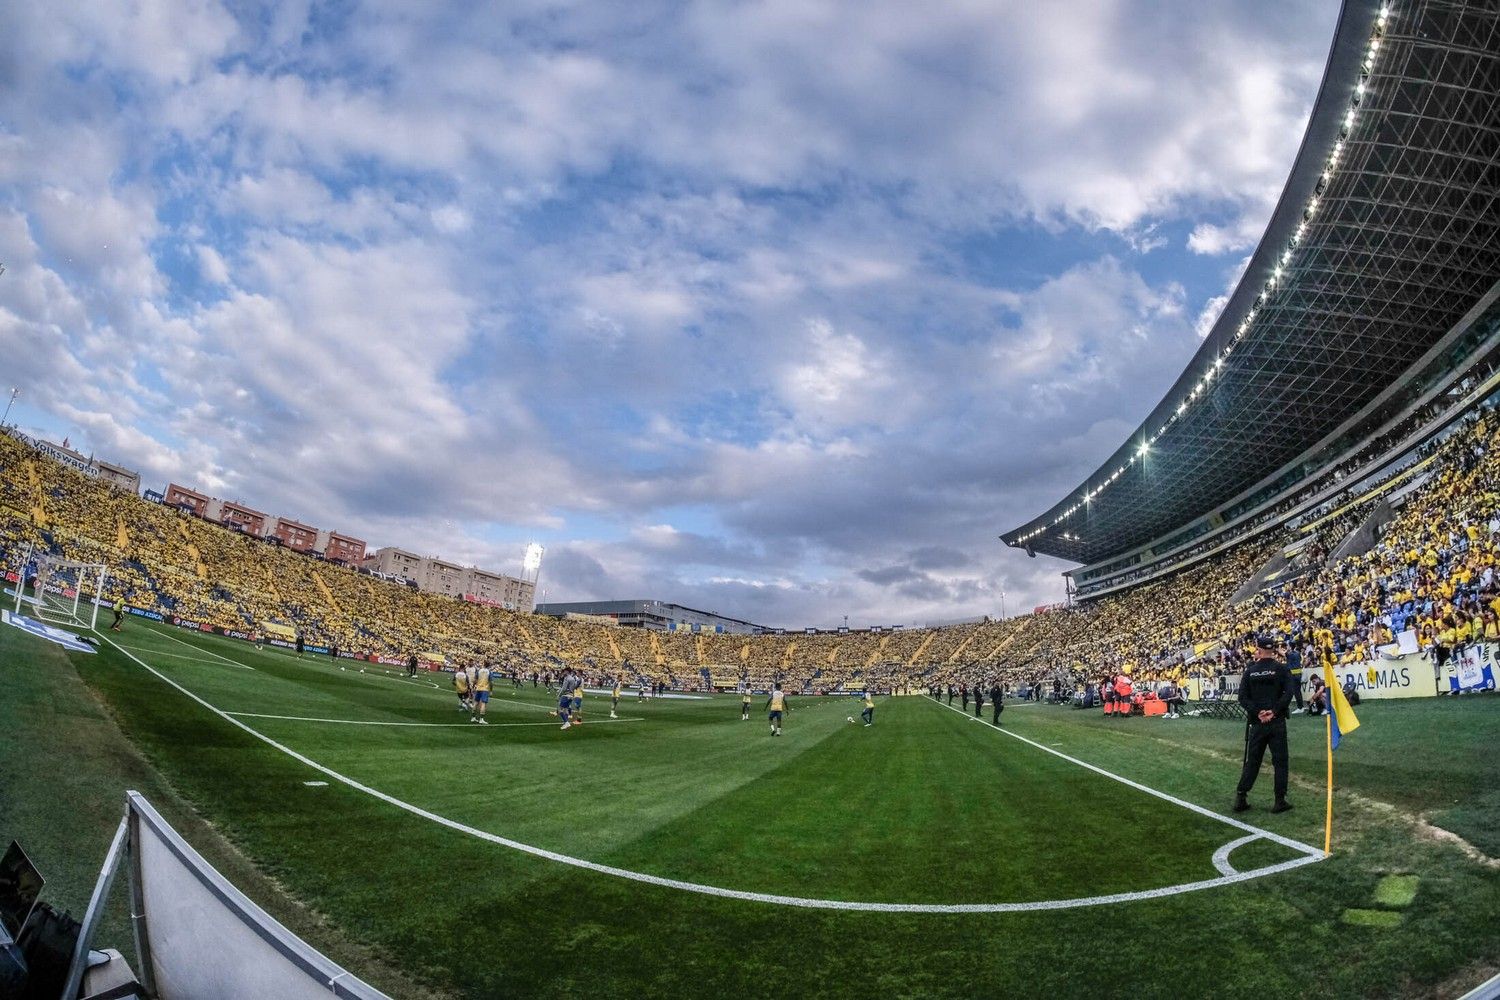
21, 575
73, 582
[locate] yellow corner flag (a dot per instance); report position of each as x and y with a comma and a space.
1341, 720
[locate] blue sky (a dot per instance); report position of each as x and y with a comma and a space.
784, 309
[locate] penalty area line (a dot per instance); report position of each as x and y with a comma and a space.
1295, 845
718, 891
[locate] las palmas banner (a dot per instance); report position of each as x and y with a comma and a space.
1409, 675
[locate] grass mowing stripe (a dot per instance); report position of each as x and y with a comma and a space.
65, 766
183, 656
832, 824
363, 671
424, 686
193, 645
425, 725
1296, 845
629, 939
709, 890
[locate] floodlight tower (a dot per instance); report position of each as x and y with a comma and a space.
531, 567
13, 394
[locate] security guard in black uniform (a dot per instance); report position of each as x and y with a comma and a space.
1265, 694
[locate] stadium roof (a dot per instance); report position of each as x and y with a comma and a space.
644, 607
1385, 236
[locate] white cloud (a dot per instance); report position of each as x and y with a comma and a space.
1213, 240
450, 220
834, 376
631, 259
211, 265
1076, 327
1209, 315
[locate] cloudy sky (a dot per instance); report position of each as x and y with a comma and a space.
783, 309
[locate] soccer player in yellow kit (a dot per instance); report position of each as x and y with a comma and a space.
614, 696
745, 704
777, 705
461, 687
481, 693
869, 710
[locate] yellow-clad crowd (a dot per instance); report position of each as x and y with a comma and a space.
1432, 570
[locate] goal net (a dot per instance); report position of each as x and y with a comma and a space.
61, 590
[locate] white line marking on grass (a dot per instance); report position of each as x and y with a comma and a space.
183, 656
426, 725
1295, 845
712, 890
1221, 856
388, 675
202, 649
316, 784
391, 675
395, 677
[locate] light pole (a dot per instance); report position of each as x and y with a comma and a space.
13, 394
1002, 604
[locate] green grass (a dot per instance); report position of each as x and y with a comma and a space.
1395, 892
926, 806
64, 770
1372, 918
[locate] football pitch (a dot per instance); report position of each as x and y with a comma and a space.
678, 851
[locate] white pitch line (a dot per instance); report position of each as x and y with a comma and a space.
183, 656
1295, 845
201, 649
388, 675
419, 682
713, 890
1221, 856
403, 680
426, 725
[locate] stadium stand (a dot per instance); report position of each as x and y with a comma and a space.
1432, 570
1322, 468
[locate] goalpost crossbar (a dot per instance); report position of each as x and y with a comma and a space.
43, 570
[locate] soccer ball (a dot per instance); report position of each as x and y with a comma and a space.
851, 718
343, 668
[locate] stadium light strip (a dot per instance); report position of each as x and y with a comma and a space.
1272, 283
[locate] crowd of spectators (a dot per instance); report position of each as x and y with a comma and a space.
1431, 571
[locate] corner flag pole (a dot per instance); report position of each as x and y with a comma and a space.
1328, 819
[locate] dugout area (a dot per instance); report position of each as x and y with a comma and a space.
927, 807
